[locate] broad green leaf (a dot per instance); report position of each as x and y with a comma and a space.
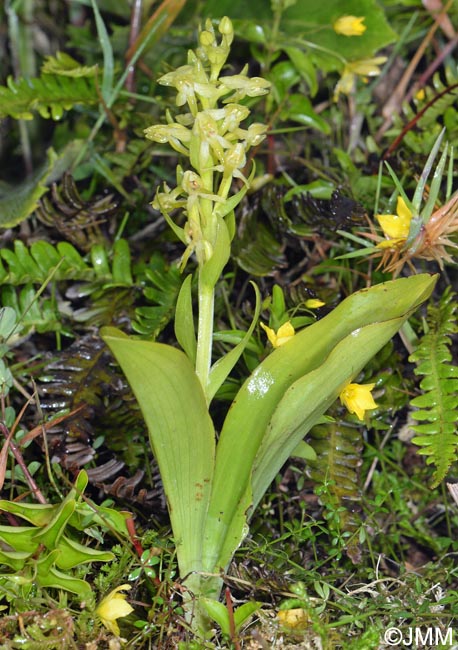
72, 554
14, 559
303, 450
313, 22
221, 369
181, 434
19, 538
247, 421
212, 269
299, 109
48, 576
304, 66
218, 613
52, 532
184, 320
121, 268
243, 613
108, 518
308, 25
19, 201
35, 513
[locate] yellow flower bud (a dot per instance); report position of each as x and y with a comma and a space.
225, 26
349, 26
314, 303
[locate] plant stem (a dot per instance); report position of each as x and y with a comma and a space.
204, 332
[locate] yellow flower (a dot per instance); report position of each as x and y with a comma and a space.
363, 67
349, 26
295, 618
358, 399
314, 303
395, 226
112, 607
284, 334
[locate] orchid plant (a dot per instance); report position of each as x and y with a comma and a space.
214, 482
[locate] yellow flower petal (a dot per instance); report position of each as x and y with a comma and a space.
350, 25
112, 607
403, 211
314, 303
358, 399
283, 334
396, 226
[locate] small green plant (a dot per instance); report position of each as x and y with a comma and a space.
212, 486
44, 553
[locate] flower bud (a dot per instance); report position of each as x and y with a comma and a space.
225, 26
207, 39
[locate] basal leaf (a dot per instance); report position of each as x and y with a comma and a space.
248, 419
181, 434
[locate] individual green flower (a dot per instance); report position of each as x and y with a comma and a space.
232, 115
208, 137
112, 607
252, 136
350, 25
395, 226
175, 134
282, 336
244, 86
358, 399
183, 79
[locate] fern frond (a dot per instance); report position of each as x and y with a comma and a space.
338, 447
163, 284
437, 407
84, 380
34, 264
49, 95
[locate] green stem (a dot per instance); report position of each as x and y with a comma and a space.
204, 332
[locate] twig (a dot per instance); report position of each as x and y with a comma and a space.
393, 105
20, 461
230, 614
135, 20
